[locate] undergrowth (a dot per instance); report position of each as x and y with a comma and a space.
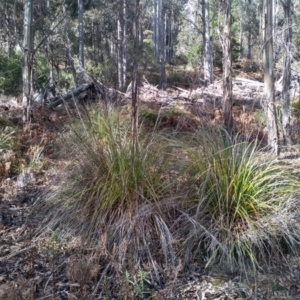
114, 200
180, 199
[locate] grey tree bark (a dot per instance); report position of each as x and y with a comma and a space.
68, 47
241, 39
207, 55
286, 108
274, 29
134, 85
159, 40
27, 60
269, 102
227, 73
49, 51
170, 34
81, 38
249, 37
122, 47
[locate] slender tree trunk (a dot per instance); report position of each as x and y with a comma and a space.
286, 108
81, 38
27, 60
249, 54
49, 51
69, 56
155, 30
207, 57
159, 40
249, 37
162, 50
241, 39
269, 102
227, 74
134, 86
262, 23
7, 19
274, 29
122, 61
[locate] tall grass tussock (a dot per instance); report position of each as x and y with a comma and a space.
246, 204
175, 201
110, 198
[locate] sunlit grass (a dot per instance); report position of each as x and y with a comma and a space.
111, 196
240, 194
6, 138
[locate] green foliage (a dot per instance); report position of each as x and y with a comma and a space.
11, 74
193, 54
246, 204
137, 282
37, 161
260, 117
295, 104
41, 70
65, 79
235, 48
106, 71
179, 78
147, 54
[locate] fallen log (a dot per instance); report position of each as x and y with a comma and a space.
249, 82
93, 88
78, 93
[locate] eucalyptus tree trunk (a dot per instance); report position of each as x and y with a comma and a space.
170, 34
122, 61
49, 51
262, 23
269, 102
7, 45
274, 29
159, 40
207, 55
286, 108
134, 85
227, 73
27, 60
81, 38
156, 22
68, 47
162, 52
249, 54
241, 39
249, 37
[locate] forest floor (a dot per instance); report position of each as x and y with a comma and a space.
49, 267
